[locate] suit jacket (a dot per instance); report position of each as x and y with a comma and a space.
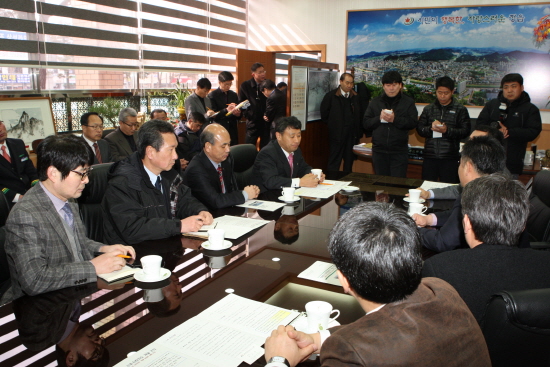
450, 235
104, 150
38, 248
271, 168
118, 145
275, 106
255, 113
334, 110
447, 193
204, 181
484, 270
219, 101
431, 327
194, 104
18, 176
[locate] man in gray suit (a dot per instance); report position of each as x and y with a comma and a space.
46, 241
122, 141
92, 131
198, 101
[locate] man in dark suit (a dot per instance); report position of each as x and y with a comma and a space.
409, 321
481, 155
280, 163
122, 141
92, 131
256, 127
46, 241
495, 210
224, 100
275, 105
210, 176
198, 101
17, 173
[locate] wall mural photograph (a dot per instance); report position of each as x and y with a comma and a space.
476, 46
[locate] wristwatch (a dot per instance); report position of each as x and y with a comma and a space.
277, 362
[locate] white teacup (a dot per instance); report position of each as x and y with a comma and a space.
317, 172
417, 208
216, 236
318, 315
288, 193
151, 266
414, 195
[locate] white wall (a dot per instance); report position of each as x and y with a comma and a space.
301, 22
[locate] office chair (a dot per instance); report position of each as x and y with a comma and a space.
538, 221
244, 156
4, 209
516, 326
89, 202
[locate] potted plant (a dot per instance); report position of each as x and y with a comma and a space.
180, 94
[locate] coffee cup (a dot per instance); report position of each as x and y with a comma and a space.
216, 237
317, 172
318, 315
288, 193
414, 195
151, 266
417, 208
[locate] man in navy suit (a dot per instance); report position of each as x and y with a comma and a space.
17, 173
210, 174
92, 132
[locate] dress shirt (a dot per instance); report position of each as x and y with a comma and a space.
57, 202
90, 143
153, 178
295, 181
344, 94
216, 168
17, 196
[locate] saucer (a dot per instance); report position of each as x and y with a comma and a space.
296, 198
350, 188
226, 244
409, 200
140, 276
300, 324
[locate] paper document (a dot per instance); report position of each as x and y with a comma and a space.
322, 272
428, 185
225, 334
234, 227
123, 273
324, 190
363, 147
269, 206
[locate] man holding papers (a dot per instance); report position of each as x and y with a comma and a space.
280, 163
210, 174
409, 321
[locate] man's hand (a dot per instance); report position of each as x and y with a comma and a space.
191, 224
252, 191
439, 127
206, 217
386, 116
279, 344
236, 112
108, 262
231, 107
423, 193
309, 180
322, 177
422, 220
121, 250
184, 163
210, 113
265, 118
503, 129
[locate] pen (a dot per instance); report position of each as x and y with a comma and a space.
123, 256
321, 183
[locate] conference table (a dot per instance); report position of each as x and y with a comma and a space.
258, 267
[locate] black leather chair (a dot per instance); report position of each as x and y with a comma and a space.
90, 201
4, 209
244, 156
516, 326
4, 269
538, 222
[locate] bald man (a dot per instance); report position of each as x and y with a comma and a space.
210, 173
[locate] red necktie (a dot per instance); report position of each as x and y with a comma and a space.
221, 178
5, 154
97, 153
291, 163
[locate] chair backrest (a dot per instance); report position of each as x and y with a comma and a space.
4, 209
90, 201
516, 326
538, 222
244, 156
35, 143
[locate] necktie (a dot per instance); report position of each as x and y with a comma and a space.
5, 154
97, 153
157, 184
220, 173
67, 214
291, 163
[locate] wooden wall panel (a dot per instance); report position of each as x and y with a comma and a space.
245, 59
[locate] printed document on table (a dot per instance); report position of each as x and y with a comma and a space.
324, 190
428, 185
322, 272
234, 227
226, 334
269, 206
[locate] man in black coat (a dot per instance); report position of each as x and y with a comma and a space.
256, 126
92, 131
275, 105
17, 173
210, 176
495, 211
340, 109
224, 100
273, 168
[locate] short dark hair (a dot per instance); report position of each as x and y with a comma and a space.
510, 78
255, 66
343, 76
493, 132
125, 112
197, 117
282, 85
485, 153
279, 236
224, 76
64, 152
267, 84
157, 110
204, 83
497, 207
445, 82
378, 248
285, 122
150, 134
84, 118
391, 77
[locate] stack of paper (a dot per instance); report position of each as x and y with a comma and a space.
363, 147
428, 185
234, 227
324, 190
322, 272
123, 273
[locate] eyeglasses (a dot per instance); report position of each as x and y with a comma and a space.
133, 126
84, 174
95, 127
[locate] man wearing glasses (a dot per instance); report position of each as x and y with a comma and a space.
46, 240
92, 131
122, 141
